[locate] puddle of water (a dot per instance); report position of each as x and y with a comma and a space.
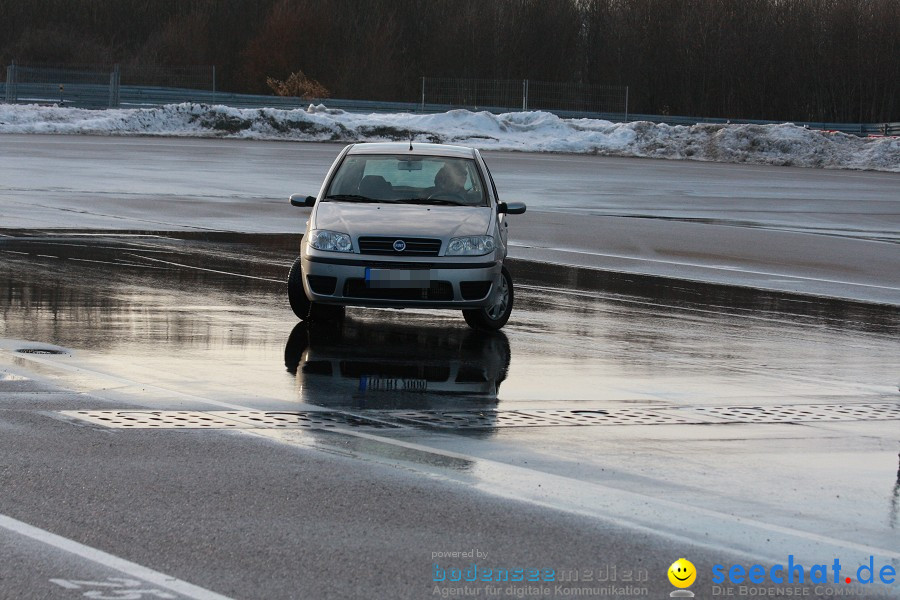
577, 337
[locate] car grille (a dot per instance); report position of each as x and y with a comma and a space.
414, 246
412, 266
438, 291
474, 290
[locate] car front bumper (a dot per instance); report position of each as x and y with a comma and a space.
442, 282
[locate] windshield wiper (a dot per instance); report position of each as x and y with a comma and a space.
429, 201
353, 198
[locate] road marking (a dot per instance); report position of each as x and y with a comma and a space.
115, 263
183, 266
712, 267
108, 560
176, 226
124, 589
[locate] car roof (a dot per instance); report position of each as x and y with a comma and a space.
418, 148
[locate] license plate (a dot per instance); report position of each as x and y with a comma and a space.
398, 278
391, 384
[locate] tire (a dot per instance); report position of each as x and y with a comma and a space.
492, 318
491, 351
302, 306
296, 345
326, 312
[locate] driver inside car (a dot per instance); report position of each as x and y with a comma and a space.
451, 180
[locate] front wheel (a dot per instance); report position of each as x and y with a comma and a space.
301, 305
494, 316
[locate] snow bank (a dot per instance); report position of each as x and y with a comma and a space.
525, 131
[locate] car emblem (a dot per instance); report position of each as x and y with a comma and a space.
399, 245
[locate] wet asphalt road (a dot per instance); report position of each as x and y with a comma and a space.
89, 177
830, 233
617, 423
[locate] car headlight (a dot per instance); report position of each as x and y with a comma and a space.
474, 245
321, 239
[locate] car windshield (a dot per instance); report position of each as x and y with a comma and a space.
408, 179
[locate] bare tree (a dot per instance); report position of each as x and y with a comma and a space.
809, 60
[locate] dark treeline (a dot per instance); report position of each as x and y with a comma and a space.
809, 60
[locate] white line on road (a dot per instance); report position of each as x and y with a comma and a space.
681, 263
175, 264
108, 560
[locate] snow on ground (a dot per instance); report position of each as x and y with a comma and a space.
785, 144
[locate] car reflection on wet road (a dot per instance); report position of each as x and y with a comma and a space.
359, 364
600, 395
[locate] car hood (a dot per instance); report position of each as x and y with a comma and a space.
402, 219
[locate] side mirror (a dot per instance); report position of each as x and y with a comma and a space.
301, 200
511, 208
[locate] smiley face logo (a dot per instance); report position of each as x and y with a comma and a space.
682, 573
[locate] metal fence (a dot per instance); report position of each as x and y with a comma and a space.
98, 86
82, 86
150, 86
199, 77
524, 94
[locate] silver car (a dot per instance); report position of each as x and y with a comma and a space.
405, 225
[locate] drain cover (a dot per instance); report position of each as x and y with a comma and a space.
157, 419
471, 419
40, 351
622, 416
536, 418
486, 419
180, 419
804, 413
303, 419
